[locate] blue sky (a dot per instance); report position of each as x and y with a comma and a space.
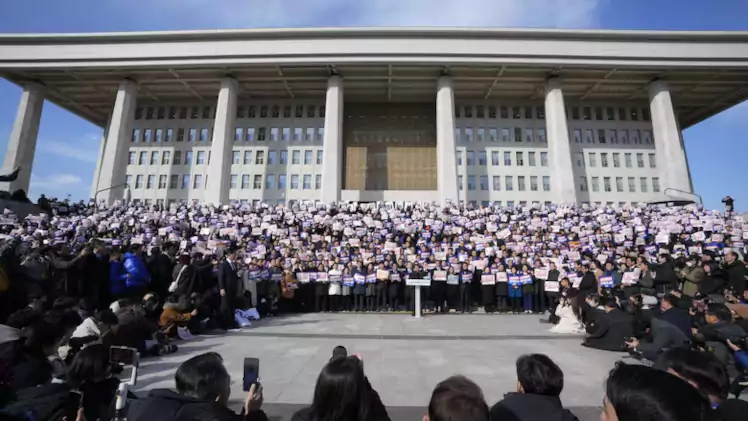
68, 146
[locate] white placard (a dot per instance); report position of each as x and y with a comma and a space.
541, 273
551, 286
418, 282
488, 280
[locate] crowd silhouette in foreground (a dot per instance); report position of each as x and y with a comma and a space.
665, 285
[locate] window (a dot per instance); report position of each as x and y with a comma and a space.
247, 157
529, 135
270, 180
515, 113
482, 158
643, 183
138, 113
273, 134
296, 157
508, 183
495, 158
138, 181
496, 182
320, 134
281, 181
154, 158
577, 136
610, 113
257, 182
586, 113
128, 180
616, 160
206, 112
579, 159
458, 136
645, 114
459, 183
480, 111
533, 183
260, 158
192, 135
634, 134
299, 111
294, 181
468, 134
504, 112
317, 181
470, 158
601, 136
634, 114
521, 182
622, 114
619, 184
197, 181
180, 135
286, 134
595, 184
250, 134
142, 158
481, 134
493, 134
540, 111
283, 157
507, 159
470, 182
169, 135
194, 112
510, 203
307, 182
131, 158
159, 135
177, 157
262, 134
528, 112
201, 158
148, 135
531, 159
604, 160
592, 160
173, 181
544, 159
185, 181
319, 157
188, 158
272, 157
182, 113
149, 113
655, 184
546, 183
468, 112
245, 181
310, 111
575, 113
588, 136
459, 158
298, 132
598, 113
505, 135
483, 182
491, 111
640, 160
517, 134
623, 136
583, 184
307, 157
606, 184
541, 136
520, 159
632, 185
652, 161
627, 160
322, 111
238, 134
204, 135
647, 137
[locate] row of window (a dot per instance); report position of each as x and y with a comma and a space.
238, 157
594, 184
494, 134
623, 136
254, 182
508, 182
248, 134
519, 158
208, 112
605, 163
530, 112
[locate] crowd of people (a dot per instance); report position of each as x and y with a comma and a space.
79, 279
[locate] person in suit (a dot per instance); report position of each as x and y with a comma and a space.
608, 331
228, 282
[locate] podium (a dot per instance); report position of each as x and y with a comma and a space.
418, 283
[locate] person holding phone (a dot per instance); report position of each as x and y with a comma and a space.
202, 392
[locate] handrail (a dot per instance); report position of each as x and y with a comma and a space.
701, 200
96, 203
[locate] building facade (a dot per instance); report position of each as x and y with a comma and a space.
482, 116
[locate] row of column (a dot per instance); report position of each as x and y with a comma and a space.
111, 167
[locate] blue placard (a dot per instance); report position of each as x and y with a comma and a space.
514, 280
525, 279
371, 278
348, 281
606, 281
359, 278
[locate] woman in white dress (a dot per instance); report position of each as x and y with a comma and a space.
568, 322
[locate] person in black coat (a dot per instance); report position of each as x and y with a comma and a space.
160, 266
95, 275
539, 385
228, 283
589, 283
735, 269
671, 312
203, 388
608, 331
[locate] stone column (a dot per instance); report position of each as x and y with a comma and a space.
332, 150
559, 150
102, 146
22, 142
114, 160
219, 170
671, 154
446, 159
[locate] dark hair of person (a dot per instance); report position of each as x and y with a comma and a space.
23, 318
341, 392
701, 368
41, 336
671, 299
90, 365
457, 399
339, 352
184, 259
640, 393
203, 377
64, 303
720, 311
64, 319
539, 375
107, 317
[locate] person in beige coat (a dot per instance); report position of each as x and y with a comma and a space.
692, 274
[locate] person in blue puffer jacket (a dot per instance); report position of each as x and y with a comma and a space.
138, 279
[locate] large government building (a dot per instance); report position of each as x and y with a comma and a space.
513, 117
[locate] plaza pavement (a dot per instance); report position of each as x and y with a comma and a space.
404, 358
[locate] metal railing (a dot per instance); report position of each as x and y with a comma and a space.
125, 185
701, 200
